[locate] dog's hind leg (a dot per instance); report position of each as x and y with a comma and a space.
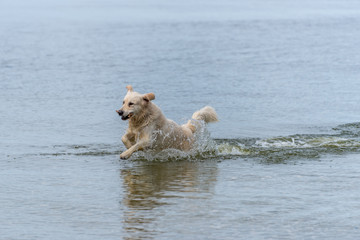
192, 125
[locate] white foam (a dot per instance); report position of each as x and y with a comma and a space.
284, 142
230, 149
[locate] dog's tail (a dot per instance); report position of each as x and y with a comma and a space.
206, 114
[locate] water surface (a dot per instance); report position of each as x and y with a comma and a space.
282, 163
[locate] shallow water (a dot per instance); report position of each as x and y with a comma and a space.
282, 162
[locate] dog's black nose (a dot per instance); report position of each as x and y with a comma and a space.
120, 112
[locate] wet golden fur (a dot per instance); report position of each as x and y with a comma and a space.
149, 128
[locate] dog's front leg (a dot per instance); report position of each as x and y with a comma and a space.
141, 144
128, 139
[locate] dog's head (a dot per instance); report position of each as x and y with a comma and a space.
134, 103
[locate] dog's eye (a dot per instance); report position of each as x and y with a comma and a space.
123, 102
131, 103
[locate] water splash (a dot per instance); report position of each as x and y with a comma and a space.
204, 147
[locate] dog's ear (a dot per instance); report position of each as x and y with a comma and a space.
129, 88
148, 97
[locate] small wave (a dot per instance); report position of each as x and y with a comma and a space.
284, 148
349, 129
334, 142
308, 141
83, 150
346, 138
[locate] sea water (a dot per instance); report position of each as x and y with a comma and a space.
282, 163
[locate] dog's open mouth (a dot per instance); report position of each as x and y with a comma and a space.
127, 116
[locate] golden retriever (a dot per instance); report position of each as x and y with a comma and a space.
150, 129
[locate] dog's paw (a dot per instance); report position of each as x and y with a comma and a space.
125, 155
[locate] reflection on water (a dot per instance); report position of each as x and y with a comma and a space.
152, 186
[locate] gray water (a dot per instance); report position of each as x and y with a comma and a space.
282, 163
